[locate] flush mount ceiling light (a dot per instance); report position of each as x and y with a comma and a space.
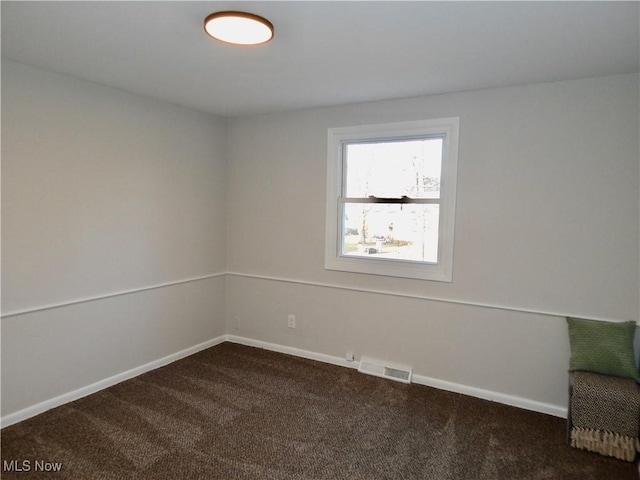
238, 28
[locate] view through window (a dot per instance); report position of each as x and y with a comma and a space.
391, 199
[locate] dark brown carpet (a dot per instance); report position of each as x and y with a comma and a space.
235, 412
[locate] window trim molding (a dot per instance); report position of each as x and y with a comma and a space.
441, 271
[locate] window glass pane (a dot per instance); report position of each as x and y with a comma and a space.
391, 231
393, 168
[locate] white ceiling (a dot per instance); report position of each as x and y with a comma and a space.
323, 53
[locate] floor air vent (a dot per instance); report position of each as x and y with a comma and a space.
379, 369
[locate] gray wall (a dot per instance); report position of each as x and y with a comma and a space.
104, 192
546, 226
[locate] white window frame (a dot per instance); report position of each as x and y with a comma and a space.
442, 270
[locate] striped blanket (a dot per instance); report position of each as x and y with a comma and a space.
605, 414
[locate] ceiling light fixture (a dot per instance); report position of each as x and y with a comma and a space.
238, 28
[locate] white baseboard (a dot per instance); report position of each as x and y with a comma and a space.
321, 357
512, 400
41, 407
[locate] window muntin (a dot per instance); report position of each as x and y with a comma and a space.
392, 187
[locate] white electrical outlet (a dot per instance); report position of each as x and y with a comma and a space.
291, 321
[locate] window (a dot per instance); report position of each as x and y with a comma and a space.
391, 193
